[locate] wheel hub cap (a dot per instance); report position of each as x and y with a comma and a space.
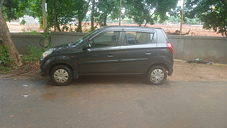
61, 75
157, 75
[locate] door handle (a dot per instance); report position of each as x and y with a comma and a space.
110, 55
148, 53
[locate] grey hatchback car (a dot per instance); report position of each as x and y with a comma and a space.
113, 50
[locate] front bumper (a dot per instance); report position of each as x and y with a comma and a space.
43, 74
43, 71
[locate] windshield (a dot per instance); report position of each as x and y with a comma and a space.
85, 37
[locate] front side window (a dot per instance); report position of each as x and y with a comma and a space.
105, 39
136, 38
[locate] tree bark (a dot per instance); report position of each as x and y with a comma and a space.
55, 15
79, 27
105, 19
92, 15
5, 39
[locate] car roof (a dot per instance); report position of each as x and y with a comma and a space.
128, 28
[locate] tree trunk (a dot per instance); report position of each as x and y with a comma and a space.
92, 15
55, 16
105, 19
5, 39
79, 28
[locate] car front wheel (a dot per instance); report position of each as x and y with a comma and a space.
157, 75
61, 75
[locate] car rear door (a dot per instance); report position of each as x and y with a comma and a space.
137, 51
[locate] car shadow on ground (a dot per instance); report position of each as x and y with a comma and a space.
114, 80
111, 80
137, 80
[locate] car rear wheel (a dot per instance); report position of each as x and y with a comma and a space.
61, 75
157, 75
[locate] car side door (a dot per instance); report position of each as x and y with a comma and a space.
136, 52
100, 54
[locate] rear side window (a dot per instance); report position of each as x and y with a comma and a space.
137, 38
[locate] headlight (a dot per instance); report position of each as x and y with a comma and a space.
46, 53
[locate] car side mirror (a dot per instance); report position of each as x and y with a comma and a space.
86, 46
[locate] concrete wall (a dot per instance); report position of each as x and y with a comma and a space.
192, 47
185, 47
63, 37
22, 41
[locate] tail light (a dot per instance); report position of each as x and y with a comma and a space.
170, 46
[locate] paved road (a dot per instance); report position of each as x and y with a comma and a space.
112, 102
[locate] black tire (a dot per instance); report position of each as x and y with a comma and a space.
61, 75
157, 75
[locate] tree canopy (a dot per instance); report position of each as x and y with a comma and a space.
141, 11
149, 11
213, 13
105, 8
13, 9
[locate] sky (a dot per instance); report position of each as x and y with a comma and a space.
180, 2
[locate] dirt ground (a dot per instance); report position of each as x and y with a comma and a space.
198, 72
182, 72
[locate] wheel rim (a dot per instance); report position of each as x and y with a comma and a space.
157, 75
61, 75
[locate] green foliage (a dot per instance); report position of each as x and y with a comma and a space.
61, 13
213, 13
141, 11
33, 54
193, 21
29, 31
4, 55
174, 20
35, 9
5, 69
105, 8
148, 11
81, 7
13, 9
4, 58
162, 6
34, 32
23, 22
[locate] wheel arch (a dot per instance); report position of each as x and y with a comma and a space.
158, 64
75, 74
57, 64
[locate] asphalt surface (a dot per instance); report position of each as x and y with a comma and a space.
112, 102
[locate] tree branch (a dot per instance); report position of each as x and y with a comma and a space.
1, 3
225, 2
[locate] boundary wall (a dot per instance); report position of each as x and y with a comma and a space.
191, 47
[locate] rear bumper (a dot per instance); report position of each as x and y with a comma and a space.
170, 72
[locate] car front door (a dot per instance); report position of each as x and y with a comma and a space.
100, 54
